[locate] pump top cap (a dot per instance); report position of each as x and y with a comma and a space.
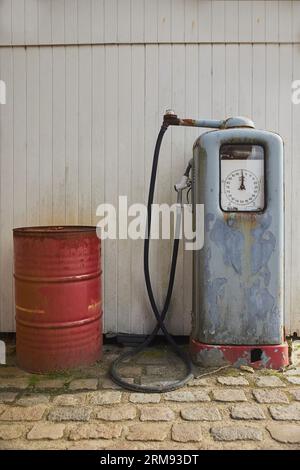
238, 121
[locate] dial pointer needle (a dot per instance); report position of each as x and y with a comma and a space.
242, 186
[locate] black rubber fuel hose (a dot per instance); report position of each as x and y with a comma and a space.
160, 316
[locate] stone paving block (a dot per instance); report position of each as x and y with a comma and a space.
233, 381
68, 413
156, 381
8, 397
11, 431
14, 383
22, 444
247, 411
186, 432
144, 398
270, 396
109, 384
116, 413
148, 432
95, 431
187, 396
236, 433
109, 357
200, 382
46, 431
130, 445
289, 412
248, 369
131, 371
229, 395
286, 433
95, 371
196, 413
69, 400
84, 384
161, 371
23, 413
150, 357
292, 372
31, 400
269, 381
50, 384
295, 394
157, 413
9, 371
293, 380
104, 398
92, 444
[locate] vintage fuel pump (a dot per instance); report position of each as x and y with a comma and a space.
238, 275
238, 279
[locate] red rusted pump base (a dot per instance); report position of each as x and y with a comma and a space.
274, 356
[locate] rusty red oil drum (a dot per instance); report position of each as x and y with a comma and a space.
57, 273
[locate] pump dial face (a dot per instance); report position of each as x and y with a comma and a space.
242, 178
242, 187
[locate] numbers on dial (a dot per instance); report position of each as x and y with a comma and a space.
241, 187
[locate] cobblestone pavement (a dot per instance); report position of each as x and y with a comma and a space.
83, 409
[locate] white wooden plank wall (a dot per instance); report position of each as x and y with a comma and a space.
52, 22
85, 99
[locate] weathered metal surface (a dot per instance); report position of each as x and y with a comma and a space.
238, 121
171, 119
258, 356
232, 122
208, 123
57, 274
238, 275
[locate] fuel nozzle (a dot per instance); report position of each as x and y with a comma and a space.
185, 182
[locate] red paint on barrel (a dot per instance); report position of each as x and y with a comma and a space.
57, 274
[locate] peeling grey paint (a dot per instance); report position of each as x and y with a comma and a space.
263, 244
231, 242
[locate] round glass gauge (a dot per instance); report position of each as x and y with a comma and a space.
242, 187
242, 178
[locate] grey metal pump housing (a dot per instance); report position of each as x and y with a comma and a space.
238, 274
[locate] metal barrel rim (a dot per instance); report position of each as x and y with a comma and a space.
53, 229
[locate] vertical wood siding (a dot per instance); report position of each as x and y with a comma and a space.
52, 22
85, 99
